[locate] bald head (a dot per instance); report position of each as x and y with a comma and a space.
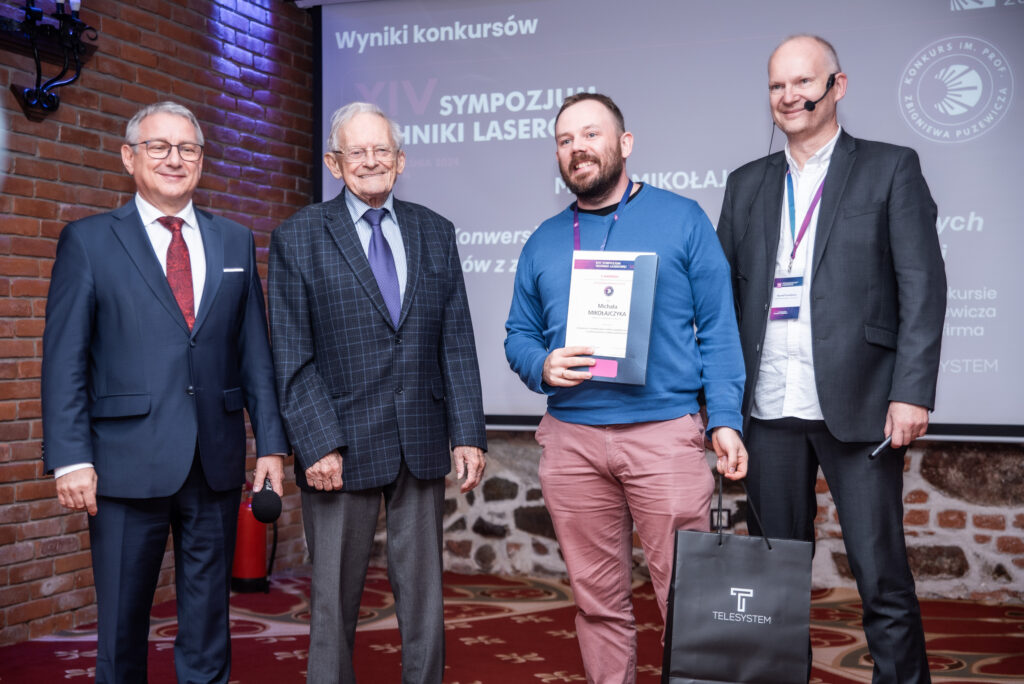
807, 41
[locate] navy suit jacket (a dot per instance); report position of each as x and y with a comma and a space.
348, 378
878, 284
127, 387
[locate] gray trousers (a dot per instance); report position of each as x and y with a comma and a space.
340, 527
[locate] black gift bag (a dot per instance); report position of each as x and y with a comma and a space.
738, 609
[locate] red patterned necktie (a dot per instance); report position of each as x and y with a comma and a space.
179, 268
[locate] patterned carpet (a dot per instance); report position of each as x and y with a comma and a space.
504, 630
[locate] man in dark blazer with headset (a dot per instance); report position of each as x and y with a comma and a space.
379, 384
155, 340
840, 293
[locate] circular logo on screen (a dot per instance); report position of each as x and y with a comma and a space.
955, 89
609, 291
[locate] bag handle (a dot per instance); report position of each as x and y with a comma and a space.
719, 485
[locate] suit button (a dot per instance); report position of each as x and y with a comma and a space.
190, 391
398, 339
757, 348
398, 390
765, 307
191, 343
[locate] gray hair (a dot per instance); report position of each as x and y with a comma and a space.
342, 115
131, 134
830, 52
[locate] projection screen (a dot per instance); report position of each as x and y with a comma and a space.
476, 87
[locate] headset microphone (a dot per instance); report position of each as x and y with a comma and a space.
809, 105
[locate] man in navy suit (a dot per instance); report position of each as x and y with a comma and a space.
840, 292
379, 384
156, 339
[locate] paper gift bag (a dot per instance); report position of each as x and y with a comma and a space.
738, 609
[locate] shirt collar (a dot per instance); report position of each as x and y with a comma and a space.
150, 214
357, 207
820, 158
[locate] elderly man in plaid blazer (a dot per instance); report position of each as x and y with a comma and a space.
379, 385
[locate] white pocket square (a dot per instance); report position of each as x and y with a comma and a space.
234, 269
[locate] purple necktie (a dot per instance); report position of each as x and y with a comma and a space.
382, 261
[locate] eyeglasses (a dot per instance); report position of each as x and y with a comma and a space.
357, 155
159, 149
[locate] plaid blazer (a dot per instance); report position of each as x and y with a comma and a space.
348, 378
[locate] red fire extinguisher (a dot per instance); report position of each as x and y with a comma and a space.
250, 570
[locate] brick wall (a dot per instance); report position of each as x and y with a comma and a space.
245, 69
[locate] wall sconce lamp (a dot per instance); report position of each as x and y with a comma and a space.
58, 44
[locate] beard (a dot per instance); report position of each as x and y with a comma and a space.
598, 186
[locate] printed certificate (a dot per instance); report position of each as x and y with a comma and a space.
611, 297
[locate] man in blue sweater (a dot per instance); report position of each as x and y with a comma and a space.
617, 454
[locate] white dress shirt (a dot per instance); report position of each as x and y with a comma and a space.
160, 238
388, 226
785, 381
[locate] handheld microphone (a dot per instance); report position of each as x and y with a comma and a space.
809, 105
266, 504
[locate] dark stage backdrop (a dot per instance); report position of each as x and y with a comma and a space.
476, 87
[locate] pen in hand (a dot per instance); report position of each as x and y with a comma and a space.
878, 449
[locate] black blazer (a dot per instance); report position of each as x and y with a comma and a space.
878, 284
127, 387
347, 377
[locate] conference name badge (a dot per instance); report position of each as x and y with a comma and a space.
786, 296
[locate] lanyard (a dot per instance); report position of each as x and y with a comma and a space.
792, 215
615, 217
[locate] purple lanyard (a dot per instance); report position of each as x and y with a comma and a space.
615, 217
792, 215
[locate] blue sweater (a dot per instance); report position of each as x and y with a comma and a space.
693, 290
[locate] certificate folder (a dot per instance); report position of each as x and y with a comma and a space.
631, 369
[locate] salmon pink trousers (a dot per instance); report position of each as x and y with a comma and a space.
598, 481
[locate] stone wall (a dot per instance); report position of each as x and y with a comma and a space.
964, 520
502, 526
